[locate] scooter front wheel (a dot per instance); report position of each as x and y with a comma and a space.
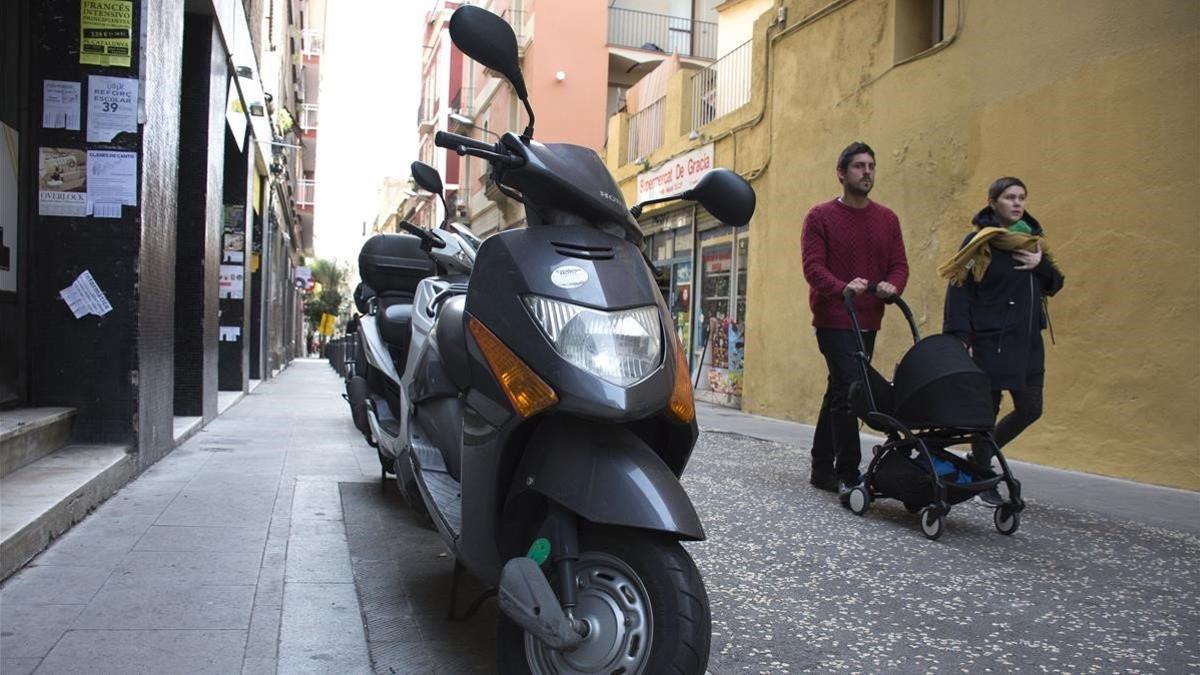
645, 605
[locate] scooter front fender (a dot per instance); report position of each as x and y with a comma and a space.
607, 475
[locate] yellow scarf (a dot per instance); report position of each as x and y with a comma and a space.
975, 257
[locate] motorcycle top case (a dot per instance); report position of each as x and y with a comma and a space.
390, 263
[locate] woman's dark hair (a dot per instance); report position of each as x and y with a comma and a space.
855, 148
999, 185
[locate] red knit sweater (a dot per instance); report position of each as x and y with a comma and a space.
840, 243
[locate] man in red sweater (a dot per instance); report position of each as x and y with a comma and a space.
848, 243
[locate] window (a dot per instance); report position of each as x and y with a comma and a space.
918, 26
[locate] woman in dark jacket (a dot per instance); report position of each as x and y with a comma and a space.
994, 304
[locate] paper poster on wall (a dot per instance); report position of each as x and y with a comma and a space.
60, 104
8, 208
231, 333
235, 241
235, 221
233, 257
84, 297
232, 278
106, 32
112, 182
62, 182
112, 107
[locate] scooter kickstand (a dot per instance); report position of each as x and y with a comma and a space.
451, 613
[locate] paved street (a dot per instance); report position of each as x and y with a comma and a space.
266, 543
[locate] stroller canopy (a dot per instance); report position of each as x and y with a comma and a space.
937, 384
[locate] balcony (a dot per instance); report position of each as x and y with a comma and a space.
722, 87
308, 119
662, 33
312, 44
427, 115
646, 131
306, 190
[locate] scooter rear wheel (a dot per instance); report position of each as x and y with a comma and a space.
644, 602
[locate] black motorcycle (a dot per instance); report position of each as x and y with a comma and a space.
548, 416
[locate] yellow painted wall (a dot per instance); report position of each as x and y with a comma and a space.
1094, 103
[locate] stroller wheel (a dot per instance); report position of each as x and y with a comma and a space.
1007, 519
933, 523
859, 500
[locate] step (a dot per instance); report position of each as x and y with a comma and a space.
43, 499
28, 434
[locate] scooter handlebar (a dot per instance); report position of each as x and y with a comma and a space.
452, 141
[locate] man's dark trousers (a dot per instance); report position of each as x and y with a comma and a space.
836, 444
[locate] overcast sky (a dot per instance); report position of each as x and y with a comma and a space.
370, 74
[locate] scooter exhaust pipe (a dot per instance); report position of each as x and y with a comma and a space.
525, 597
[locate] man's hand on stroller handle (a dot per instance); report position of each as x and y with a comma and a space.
858, 285
883, 289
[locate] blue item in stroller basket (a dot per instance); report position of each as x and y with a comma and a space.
948, 472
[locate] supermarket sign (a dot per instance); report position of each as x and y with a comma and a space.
676, 175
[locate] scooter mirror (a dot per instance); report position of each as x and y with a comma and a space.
488, 39
726, 195
427, 177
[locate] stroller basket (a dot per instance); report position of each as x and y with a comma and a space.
906, 476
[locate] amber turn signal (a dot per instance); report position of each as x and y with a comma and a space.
681, 405
527, 392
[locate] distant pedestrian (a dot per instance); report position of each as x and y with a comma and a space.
995, 305
848, 243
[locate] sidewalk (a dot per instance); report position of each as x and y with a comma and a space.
227, 556
1111, 497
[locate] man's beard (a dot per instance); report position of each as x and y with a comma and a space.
858, 191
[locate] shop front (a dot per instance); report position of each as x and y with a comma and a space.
701, 266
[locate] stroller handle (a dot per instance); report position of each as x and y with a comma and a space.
848, 301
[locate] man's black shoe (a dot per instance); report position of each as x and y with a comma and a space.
824, 481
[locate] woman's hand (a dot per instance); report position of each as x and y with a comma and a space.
1028, 259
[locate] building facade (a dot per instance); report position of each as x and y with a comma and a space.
1082, 100
147, 202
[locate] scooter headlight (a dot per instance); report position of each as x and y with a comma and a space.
621, 347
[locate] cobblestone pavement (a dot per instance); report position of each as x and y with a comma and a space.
798, 584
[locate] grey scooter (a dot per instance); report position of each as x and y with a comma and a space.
548, 415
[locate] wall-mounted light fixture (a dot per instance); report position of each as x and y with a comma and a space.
560, 75
642, 162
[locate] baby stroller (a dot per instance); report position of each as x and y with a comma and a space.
938, 397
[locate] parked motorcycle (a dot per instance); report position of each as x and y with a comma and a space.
541, 409
405, 279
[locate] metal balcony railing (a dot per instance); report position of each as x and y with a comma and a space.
722, 87
659, 32
308, 117
312, 42
463, 102
646, 130
306, 190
